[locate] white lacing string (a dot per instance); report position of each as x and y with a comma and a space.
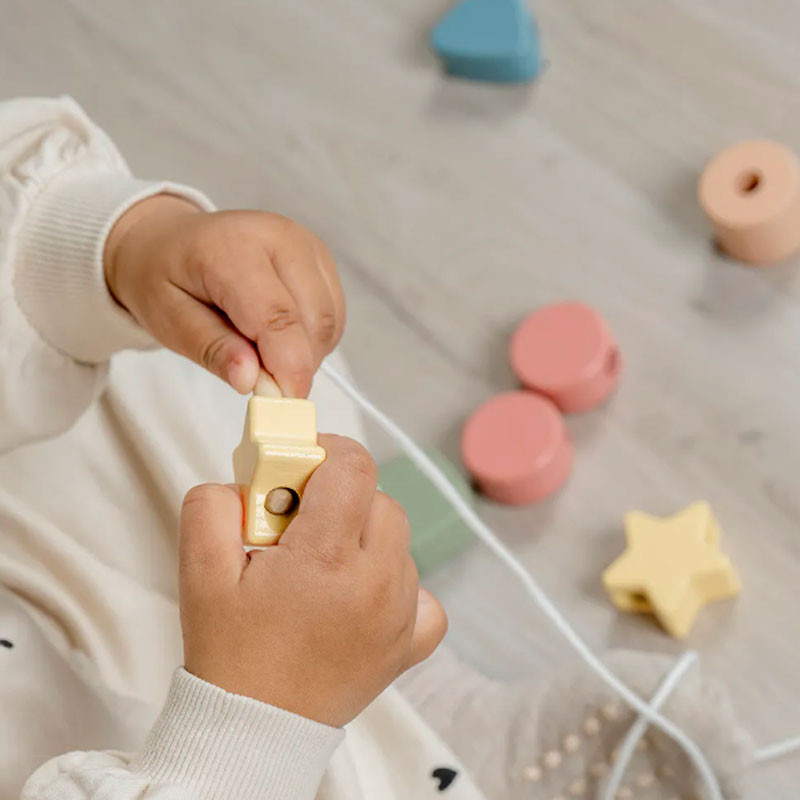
637, 730
769, 752
784, 747
485, 534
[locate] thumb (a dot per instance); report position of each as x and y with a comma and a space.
429, 628
211, 553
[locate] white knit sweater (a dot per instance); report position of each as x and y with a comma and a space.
95, 455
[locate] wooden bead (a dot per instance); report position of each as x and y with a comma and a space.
671, 567
488, 40
437, 531
532, 773
516, 448
578, 787
591, 726
645, 780
567, 353
552, 759
278, 450
751, 194
610, 711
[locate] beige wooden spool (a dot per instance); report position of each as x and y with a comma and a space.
751, 194
274, 460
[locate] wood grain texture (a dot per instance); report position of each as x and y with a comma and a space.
454, 209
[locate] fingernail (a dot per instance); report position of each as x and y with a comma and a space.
242, 375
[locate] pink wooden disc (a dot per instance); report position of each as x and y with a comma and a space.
566, 352
516, 448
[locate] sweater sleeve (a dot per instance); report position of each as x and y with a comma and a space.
63, 185
207, 744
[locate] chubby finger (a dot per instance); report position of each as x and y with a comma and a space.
261, 308
211, 552
336, 501
198, 332
327, 268
297, 267
429, 628
387, 529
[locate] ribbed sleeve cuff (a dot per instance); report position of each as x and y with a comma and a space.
227, 747
60, 282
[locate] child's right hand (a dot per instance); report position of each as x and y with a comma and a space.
320, 623
232, 290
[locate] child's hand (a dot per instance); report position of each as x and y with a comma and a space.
320, 623
228, 287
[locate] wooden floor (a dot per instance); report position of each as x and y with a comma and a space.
454, 209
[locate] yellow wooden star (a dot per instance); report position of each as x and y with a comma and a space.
671, 567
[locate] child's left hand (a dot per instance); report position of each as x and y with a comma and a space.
229, 290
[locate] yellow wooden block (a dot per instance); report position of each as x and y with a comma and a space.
671, 567
278, 450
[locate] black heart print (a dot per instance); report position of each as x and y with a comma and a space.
445, 776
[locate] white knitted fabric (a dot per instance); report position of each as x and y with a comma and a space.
557, 739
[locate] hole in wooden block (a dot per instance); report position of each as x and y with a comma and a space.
281, 501
749, 182
638, 601
613, 362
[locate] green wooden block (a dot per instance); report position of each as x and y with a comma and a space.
437, 532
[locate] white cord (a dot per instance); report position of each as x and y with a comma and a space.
637, 730
483, 532
777, 749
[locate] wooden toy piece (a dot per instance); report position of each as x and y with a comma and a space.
266, 386
274, 461
437, 532
671, 567
566, 352
516, 448
751, 194
488, 40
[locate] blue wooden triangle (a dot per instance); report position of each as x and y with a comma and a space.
494, 40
